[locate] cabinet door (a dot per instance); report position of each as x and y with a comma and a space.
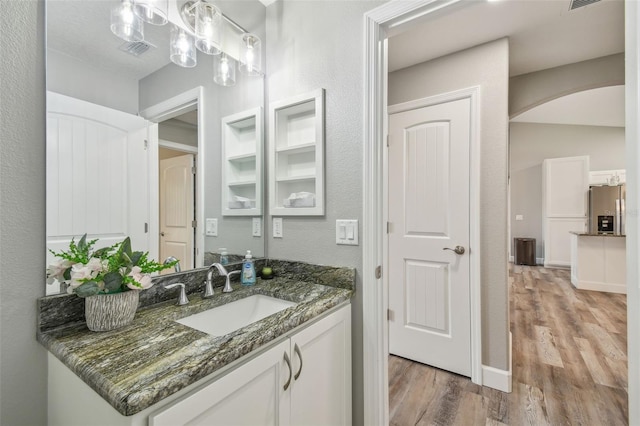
321, 358
252, 394
566, 183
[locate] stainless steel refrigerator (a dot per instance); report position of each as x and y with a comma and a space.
607, 209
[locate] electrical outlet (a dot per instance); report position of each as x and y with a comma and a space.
211, 227
277, 227
257, 227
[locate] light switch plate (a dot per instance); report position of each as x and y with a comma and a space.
277, 227
211, 227
257, 227
347, 232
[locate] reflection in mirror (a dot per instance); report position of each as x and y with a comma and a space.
106, 156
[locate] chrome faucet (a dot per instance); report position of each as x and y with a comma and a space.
208, 284
173, 259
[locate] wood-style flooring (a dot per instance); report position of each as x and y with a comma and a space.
569, 364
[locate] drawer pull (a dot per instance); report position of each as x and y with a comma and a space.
296, 349
286, 359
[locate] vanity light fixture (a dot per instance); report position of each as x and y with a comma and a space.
224, 70
203, 26
250, 55
182, 50
208, 27
152, 11
125, 23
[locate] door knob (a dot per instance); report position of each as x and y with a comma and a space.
162, 234
457, 250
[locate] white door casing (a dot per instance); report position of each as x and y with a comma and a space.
177, 209
429, 285
97, 175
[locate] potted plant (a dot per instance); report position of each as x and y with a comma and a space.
108, 278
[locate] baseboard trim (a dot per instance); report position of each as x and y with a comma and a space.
499, 379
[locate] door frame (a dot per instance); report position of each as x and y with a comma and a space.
475, 315
160, 112
377, 23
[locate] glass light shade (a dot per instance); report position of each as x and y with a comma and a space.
125, 23
152, 11
182, 49
250, 55
224, 70
208, 28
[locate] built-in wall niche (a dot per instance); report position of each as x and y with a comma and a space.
296, 155
242, 141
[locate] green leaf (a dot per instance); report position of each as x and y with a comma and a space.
135, 257
83, 243
126, 247
90, 288
67, 274
112, 281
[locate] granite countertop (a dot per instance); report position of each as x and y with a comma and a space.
591, 234
136, 366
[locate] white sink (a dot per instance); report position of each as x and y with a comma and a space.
232, 316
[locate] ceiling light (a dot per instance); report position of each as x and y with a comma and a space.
250, 55
182, 50
125, 23
208, 28
224, 70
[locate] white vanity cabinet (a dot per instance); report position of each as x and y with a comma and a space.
303, 380
242, 141
296, 155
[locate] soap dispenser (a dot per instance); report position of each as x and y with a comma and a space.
248, 270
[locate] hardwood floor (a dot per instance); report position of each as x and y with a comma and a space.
569, 364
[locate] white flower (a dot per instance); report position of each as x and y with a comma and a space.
144, 280
81, 273
55, 271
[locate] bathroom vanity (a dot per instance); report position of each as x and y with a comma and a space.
289, 368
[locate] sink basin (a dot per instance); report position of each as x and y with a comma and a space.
232, 316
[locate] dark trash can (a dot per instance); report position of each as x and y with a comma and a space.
525, 251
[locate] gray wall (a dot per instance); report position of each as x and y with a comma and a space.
531, 143
23, 362
487, 66
174, 131
311, 45
79, 79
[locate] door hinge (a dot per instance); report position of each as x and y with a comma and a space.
378, 271
146, 144
146, 228
193, 170
389, 315
388, 227
387, 140
194, 223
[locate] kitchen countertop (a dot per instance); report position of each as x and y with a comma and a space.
138, 365
590, 234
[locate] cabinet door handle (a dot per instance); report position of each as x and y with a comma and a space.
286, 359
296, 349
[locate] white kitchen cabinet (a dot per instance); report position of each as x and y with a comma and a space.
296, 155
565, 189
242, 141
305, 380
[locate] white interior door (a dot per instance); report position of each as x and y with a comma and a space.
94, 153
177, 209
428, 202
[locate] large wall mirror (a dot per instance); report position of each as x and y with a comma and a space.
135, 142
